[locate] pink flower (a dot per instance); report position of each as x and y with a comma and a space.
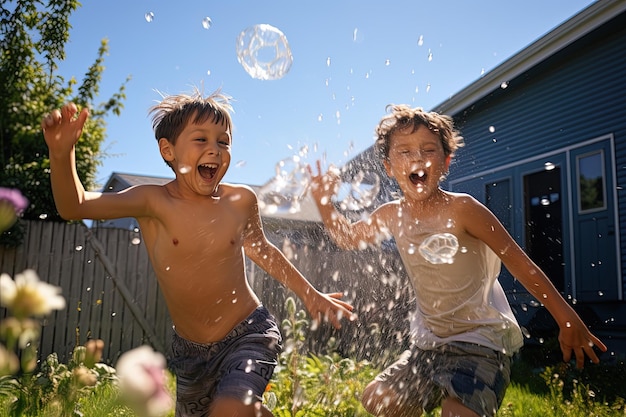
12, 204
142, 382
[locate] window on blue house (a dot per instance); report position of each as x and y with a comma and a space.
591, 189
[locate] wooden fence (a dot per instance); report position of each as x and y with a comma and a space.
112, 293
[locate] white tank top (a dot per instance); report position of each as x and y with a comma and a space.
459, 301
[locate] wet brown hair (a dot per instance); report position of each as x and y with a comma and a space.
174, 112
401, 117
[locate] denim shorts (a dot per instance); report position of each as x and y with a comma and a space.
238, 366
475, 375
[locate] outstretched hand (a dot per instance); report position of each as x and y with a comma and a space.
329, 308
577, 339
62, 128
323, 186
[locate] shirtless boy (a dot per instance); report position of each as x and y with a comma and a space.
197, 230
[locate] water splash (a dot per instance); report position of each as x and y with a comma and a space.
284, 193
360, 192
263, 51
440, 248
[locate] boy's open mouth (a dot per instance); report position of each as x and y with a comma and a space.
418, 177
207, 171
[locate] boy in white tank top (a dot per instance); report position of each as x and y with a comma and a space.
463, 330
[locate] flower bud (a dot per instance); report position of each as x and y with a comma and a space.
84, 377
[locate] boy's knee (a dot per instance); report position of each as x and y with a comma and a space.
376, 398
380, 400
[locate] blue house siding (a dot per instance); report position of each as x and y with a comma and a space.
567, 100
575, 97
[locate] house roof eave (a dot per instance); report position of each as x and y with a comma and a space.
563, 35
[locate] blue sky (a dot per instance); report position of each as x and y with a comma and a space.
350, 59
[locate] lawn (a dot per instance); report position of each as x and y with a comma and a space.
306, 384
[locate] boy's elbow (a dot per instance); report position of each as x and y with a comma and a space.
69, 214
69, 217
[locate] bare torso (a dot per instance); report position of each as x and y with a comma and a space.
196, 251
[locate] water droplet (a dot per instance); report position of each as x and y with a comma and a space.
184, 169
207, 22
420, 40
504, 85
492, 129
135, 241
149, 17
79, 248
249, 395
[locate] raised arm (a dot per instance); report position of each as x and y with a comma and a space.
62, 129
321, 306
346, 234
574, 336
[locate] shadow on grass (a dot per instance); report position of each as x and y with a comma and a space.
604, 379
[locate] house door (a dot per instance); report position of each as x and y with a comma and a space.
543, 219
594, 224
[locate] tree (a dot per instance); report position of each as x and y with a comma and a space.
33, 35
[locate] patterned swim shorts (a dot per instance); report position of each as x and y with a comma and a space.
477, 376
239, 366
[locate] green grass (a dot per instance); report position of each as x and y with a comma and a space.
309, 385
330, 386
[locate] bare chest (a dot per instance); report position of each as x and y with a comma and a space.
196, 234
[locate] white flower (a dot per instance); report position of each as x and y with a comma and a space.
142, 382
28, 296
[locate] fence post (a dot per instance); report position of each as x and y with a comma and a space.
124, 292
